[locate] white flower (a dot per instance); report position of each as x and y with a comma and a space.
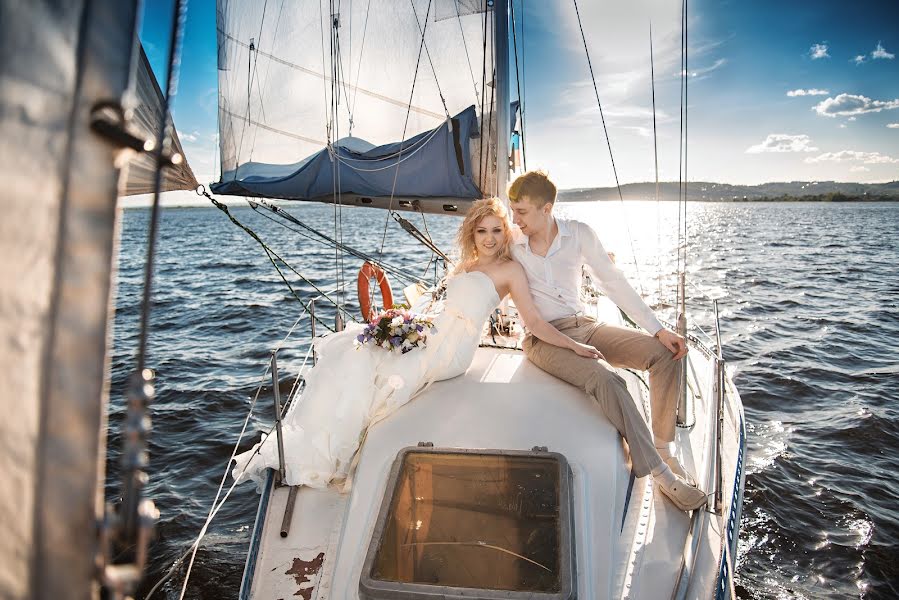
397, 321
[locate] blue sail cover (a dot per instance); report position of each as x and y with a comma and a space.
433, 164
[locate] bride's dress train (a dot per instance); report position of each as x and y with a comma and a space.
350, 389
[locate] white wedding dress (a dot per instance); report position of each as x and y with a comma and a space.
350, 389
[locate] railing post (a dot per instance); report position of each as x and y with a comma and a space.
312, 320
277, 395
682, 331
719, 413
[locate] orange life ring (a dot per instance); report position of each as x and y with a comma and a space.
366, 273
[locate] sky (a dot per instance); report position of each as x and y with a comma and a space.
777, 91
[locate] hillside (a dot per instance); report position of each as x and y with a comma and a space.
832, 191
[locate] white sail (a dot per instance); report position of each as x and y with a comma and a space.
295, 77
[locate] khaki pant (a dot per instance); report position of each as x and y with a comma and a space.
622, 348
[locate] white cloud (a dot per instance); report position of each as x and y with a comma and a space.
641, 131
859, 59
893, 125
845, 105
859, 169
188, 137
701, 72
851, 119
868, 158
842, 126
809, 92
782, 142
880, 52
818, 51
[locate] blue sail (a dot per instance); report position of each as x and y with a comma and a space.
432, 164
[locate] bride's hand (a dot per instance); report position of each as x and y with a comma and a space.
587, 351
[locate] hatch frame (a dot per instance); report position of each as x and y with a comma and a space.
378, 589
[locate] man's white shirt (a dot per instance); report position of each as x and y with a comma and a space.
555, 280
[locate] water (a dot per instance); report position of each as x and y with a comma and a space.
809, 301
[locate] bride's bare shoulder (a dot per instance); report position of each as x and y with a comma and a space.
512, 268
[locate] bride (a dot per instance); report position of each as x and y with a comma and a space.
351, 388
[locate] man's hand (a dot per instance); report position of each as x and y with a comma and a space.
587, 351
674, 342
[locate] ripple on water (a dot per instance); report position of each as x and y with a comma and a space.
810, 313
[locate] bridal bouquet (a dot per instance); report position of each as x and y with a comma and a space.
396, 329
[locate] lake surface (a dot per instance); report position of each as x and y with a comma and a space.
809, 302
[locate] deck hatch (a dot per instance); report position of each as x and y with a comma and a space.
473, 523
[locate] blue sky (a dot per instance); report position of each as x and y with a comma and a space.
788, 90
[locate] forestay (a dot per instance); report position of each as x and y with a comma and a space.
305, 86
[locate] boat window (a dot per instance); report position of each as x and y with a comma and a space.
497, 523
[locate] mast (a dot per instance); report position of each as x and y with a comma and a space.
503, 125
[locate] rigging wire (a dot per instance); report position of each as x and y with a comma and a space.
335, 118
609, 144
344, 85
264, 79
483, 99
655, 147
326, 102
419, 236
415, 144
343, 160
330, 242
477, 98
359, 66
251, 73
682, 154
216, 505
686, 123
524, 85
326, 78
518, 83
127, 529
165, 131
431, 243
405, 125
272, 255
431, 62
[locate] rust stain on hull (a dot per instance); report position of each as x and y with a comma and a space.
303, 571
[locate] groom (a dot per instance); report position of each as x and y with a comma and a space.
553, 252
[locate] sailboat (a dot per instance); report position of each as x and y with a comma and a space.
503, 482
456, 495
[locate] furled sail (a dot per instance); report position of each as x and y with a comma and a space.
369, 99
141, 172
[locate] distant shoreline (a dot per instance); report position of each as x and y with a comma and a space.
806, 198
775, 191
759, 200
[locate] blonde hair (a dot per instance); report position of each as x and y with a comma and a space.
485, 207
536, 186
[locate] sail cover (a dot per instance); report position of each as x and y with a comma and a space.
431, 164
372, 97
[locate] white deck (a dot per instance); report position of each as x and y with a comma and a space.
505, 402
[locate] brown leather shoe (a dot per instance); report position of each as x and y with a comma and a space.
683, 495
